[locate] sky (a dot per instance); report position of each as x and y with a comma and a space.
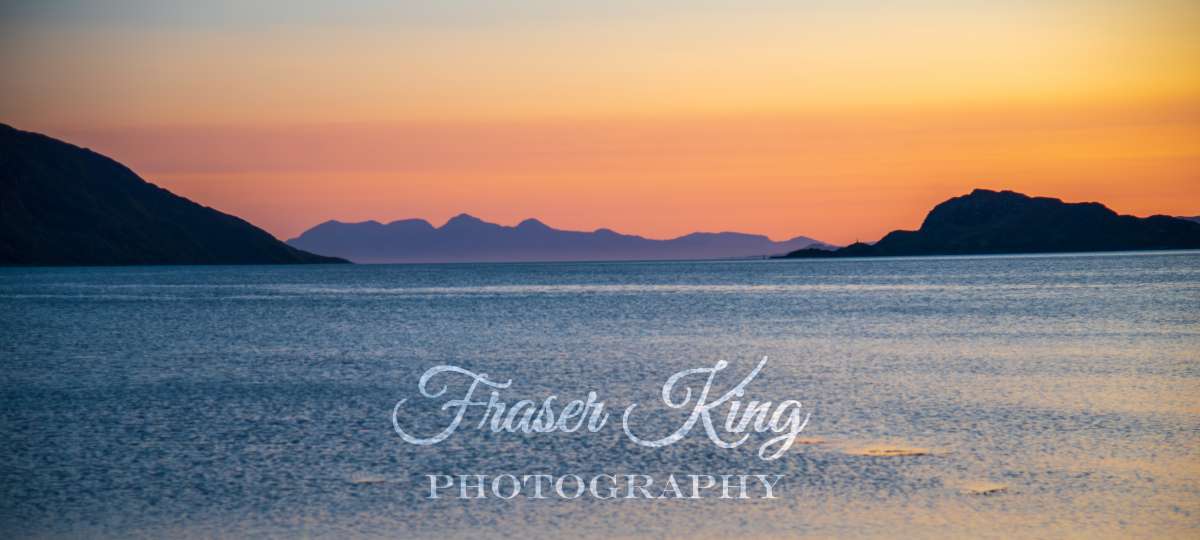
835, 120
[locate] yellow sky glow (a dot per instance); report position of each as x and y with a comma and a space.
838, 123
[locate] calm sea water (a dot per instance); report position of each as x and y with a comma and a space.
236, 401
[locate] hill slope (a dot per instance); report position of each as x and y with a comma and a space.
65, 205
987, 221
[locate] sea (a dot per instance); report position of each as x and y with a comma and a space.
945, 397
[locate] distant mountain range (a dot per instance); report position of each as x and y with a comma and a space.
986, 222
65, 205
467, 238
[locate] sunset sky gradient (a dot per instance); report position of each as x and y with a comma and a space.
836, 120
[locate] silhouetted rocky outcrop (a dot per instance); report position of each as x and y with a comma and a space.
985, 222
467, 238
65, 205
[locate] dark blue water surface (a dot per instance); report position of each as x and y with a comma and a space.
257, 401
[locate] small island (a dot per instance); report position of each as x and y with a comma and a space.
1005, 222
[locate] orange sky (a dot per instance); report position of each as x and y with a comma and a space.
656, 118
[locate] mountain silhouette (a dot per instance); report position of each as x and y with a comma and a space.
65, 205
986, 222
465, 238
